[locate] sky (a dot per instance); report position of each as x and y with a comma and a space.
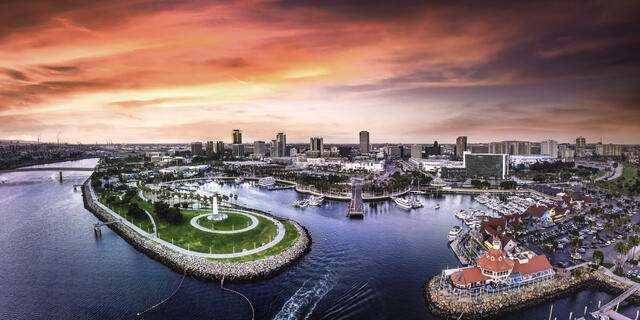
406, 71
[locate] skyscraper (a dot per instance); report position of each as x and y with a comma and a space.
196, 148
236, 136
273, 148
209, 148
316, 144
364, 142
581, 143
281, 142
461, 146
259, 148
220, 148
549, 147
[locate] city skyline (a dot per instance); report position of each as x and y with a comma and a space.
135, 72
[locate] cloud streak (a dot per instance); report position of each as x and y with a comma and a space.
409, 71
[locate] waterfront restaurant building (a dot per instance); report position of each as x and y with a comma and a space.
495, 268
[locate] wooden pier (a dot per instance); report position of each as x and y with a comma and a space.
356, 207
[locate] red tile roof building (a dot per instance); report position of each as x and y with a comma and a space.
495, 267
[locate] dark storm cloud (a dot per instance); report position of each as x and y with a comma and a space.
14, 74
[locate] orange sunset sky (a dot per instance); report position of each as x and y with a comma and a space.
407, 71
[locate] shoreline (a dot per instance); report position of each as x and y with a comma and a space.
201, 268
496, 305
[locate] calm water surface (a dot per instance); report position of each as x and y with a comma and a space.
52, 266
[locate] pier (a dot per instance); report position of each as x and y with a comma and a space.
607, 311
97, 226
356, 207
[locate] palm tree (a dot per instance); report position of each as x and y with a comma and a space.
633, 242
622, 248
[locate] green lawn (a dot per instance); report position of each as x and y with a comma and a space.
186, 236
290, 237
144, 223
233, 221
626, 184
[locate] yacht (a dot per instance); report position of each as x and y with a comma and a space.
437, 206
316, 200
403, 203
238, 180
267, 181
453, 233
415, 203
301, 203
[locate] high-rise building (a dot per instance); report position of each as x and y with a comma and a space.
209, 148
237, 150
364, 142
611, 150
316, 144
565, 153
273, 148
549, 147
497, 148
236, 136
220, 148
461, 146
510, 147
485, 165
259, 148
416, 151
479, 149
281, 140
196, 148
393, 152
581, 144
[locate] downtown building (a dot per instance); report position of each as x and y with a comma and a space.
237, 149
486, 165
364, 142
549, 147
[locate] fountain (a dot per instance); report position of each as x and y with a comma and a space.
215, 215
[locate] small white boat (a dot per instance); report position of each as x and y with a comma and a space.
238, 180
300, 203
437, 206
402, 203
316, 200
453, 233
267, 181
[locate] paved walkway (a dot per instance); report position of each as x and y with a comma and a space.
254, 223
275, 241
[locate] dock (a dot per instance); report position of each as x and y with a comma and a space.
455, 246
356, 207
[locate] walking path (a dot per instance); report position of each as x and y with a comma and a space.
275, 241
254, 223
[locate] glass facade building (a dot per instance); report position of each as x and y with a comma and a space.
485, 165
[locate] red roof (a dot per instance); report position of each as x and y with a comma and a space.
536, 211
495, 260
535, 264
493, 226
468, 275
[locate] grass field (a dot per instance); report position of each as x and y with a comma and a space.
144, 223
626, 184
233, 221
186, 236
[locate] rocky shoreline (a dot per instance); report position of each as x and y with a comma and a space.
201, 268
497, 305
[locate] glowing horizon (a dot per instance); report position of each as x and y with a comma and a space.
164, 72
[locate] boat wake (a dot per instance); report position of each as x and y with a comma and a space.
306, 298
350, 303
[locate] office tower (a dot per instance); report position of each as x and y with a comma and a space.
259, 148
364, 142
220, 148
549, 147
196, 148
581, 143
612, 150
209, 148
273, 148
416, 151
461, 146
434, 150
281, 144
484, 165
237, 150
236, 136
316, 144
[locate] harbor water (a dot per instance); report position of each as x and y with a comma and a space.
53, 267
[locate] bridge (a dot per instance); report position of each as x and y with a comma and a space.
96, 226
607, 312
59, 169
46, 169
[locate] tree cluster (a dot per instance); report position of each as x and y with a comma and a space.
168, 213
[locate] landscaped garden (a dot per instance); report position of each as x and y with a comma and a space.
628, 183
174, 226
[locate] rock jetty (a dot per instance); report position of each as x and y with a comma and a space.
201, 268
495, 305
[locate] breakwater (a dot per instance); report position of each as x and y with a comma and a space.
201, 268
496, 305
